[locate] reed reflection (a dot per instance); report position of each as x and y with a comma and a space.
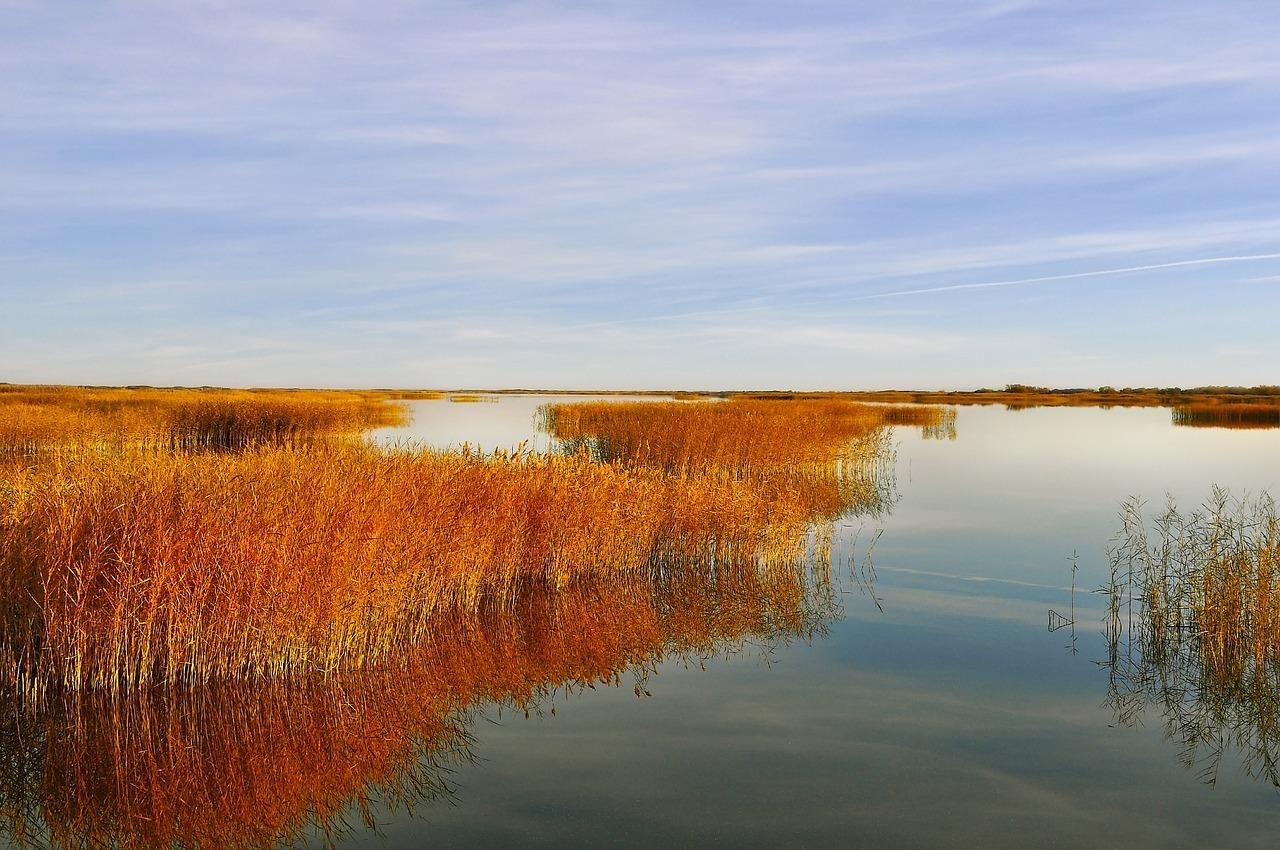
254, 764
1193, 630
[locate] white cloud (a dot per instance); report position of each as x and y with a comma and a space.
539, 171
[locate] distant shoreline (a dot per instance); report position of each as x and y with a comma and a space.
1014, 395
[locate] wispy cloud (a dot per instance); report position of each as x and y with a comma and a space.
735, 191
1202, 261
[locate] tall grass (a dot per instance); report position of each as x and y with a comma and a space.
413, 395
935, 423
238, 423
736, 435
42, 420
1194, 628
287, 552
123, 571
832, 453
254, 765
1227, 414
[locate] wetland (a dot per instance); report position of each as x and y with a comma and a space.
359, 620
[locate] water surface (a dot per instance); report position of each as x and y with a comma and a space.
930, 707
951, 717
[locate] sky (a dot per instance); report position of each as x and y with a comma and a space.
808, 195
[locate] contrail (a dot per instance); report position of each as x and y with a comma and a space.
1203, 261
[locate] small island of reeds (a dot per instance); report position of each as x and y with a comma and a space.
1193, 629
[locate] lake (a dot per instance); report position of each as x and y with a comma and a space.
952, 717
946, 682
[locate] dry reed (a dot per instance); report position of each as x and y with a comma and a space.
122, 571
414, 395
1194, 629
740, 434
1227, 415
289, 553
833, 454
43, 420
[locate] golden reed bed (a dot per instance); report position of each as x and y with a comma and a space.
43, 420
120, 572
832, 455
132, 560
235, 765
1228, 415
744, 436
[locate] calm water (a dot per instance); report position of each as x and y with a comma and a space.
953, 717
931, 707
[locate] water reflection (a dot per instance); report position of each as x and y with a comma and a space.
258, 763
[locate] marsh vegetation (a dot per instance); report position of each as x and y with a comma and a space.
296, 627
60, 420
190, 538
235, 619
1227, 415
1193, 629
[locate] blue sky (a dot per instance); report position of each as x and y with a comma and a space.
712, 194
